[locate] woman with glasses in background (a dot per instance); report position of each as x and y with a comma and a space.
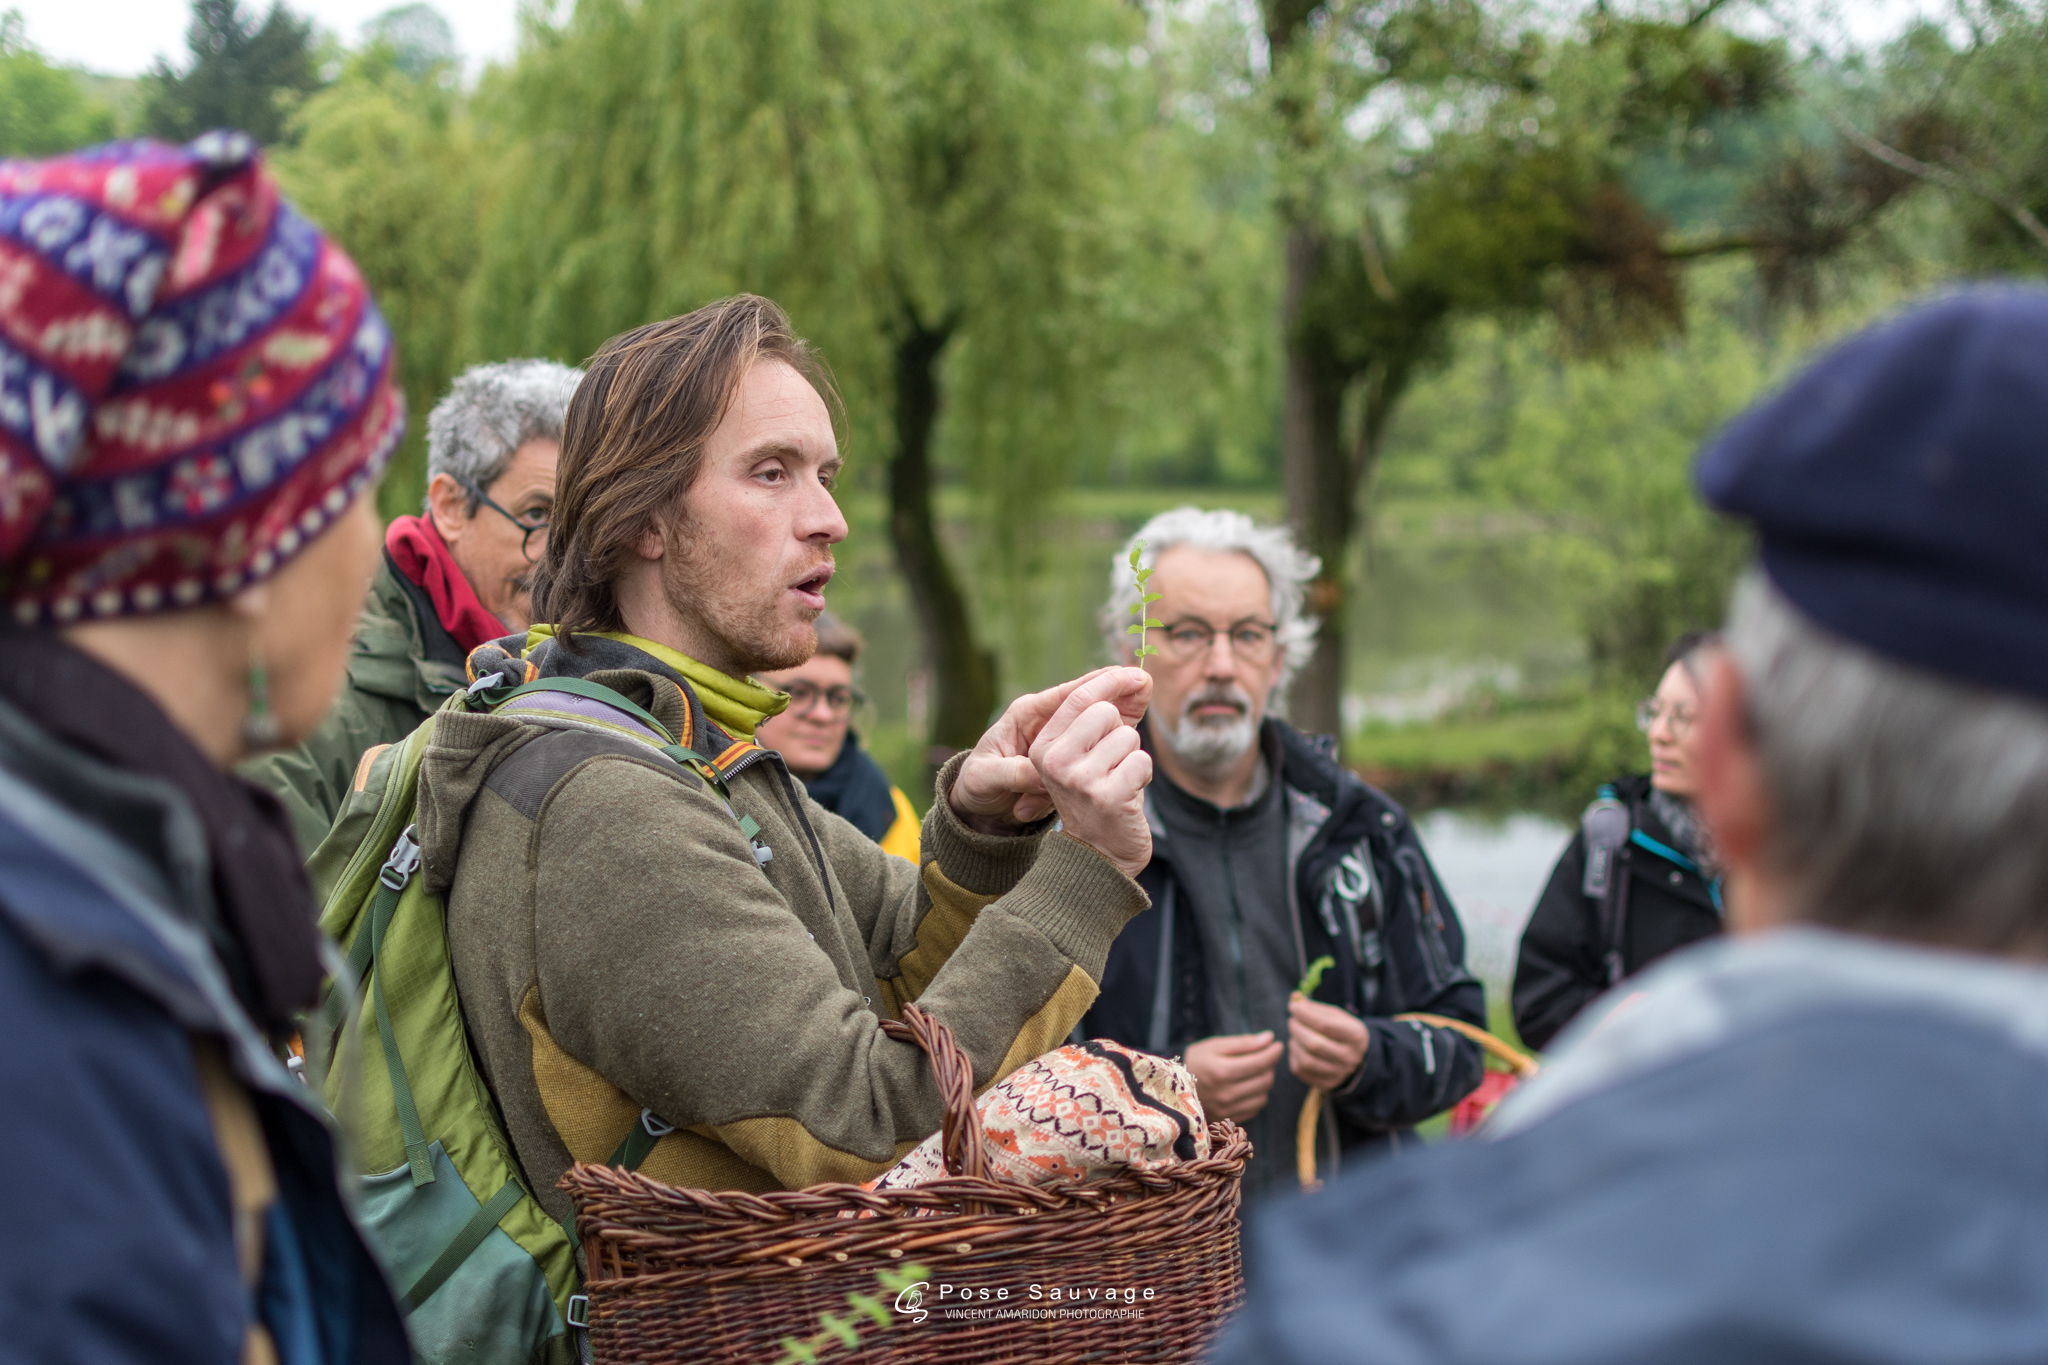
815, 738
1639, 879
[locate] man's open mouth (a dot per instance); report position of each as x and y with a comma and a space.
811, 589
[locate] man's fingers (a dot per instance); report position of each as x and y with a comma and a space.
992, 774
1109, 684
1239, 1042
1031, 808
1026, 717
1249, 1064
1089, 751
1320, 1048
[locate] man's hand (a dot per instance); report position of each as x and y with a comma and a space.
1234, 1072
1095, 768
999, 788
1326, 1045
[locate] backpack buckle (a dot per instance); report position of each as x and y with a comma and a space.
578, 1315
403, 862
655, 1126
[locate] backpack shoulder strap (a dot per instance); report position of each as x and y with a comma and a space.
1606, 826
578, 703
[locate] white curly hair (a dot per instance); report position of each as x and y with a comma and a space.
492, 410
1289, 570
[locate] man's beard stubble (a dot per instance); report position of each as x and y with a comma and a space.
739, 613
1212, 747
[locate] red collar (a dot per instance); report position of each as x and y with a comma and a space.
421, 555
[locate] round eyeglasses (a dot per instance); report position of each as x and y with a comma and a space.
1250, 641
839, 699
530, 524
1649, 711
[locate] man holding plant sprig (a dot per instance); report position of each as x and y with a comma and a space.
1268, 855
701, 952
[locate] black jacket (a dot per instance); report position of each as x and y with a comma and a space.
1660, 897
1364, 893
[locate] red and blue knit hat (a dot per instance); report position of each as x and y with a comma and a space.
194, 382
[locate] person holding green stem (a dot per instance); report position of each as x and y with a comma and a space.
1267, 855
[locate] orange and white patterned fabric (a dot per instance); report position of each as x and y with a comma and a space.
1082, 1109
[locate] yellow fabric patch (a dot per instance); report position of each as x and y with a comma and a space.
794, 1156
699, 1161
737, 704
592, 1117
939, 934
904, 837
1049, 1027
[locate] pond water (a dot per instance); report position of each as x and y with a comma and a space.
1494, 867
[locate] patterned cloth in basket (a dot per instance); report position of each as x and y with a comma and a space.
1077, 1111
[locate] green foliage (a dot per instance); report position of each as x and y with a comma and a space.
834, 1330
244, 74
1145, 599
1314, 976
43, 109
391, 166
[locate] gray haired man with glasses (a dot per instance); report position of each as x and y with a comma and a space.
1266, 856
453, 577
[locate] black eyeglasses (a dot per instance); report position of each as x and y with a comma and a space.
1251, 641
839, 698
530, 524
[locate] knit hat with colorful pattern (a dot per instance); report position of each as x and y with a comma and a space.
194, 382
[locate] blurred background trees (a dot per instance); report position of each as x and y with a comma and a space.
1456, 286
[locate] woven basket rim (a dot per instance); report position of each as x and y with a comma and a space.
948, 1194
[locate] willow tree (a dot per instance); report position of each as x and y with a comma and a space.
384, 159
947, 195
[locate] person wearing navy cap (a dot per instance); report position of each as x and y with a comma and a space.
1820, 1138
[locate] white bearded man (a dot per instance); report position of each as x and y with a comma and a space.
1266, 855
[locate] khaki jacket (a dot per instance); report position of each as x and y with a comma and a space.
618, 946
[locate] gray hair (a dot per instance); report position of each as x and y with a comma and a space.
1288, 571
1903, 804
492, 410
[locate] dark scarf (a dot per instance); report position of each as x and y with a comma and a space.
1687, 832
856, 789
267, 934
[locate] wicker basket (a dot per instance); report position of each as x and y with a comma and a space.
688, 1275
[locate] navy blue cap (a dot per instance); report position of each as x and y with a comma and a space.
1899, 487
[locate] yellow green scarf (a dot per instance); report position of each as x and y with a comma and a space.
736, 705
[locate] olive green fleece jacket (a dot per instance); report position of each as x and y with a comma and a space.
404, 664
618, 946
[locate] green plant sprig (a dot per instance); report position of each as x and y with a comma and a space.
845, 1332
1145, 600
1315, 974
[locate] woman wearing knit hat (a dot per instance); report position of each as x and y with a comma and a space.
195, 395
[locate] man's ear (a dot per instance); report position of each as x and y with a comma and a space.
652, 544
1734, 800
448, 505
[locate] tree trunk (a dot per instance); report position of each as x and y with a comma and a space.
964, 675
1320, 484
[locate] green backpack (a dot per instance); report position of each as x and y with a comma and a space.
484, 1274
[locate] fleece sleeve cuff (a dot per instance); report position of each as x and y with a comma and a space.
1078, 899
984, 864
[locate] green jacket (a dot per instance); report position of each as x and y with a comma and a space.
618, 945
403, 666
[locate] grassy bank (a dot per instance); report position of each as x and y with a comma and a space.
1544, 754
